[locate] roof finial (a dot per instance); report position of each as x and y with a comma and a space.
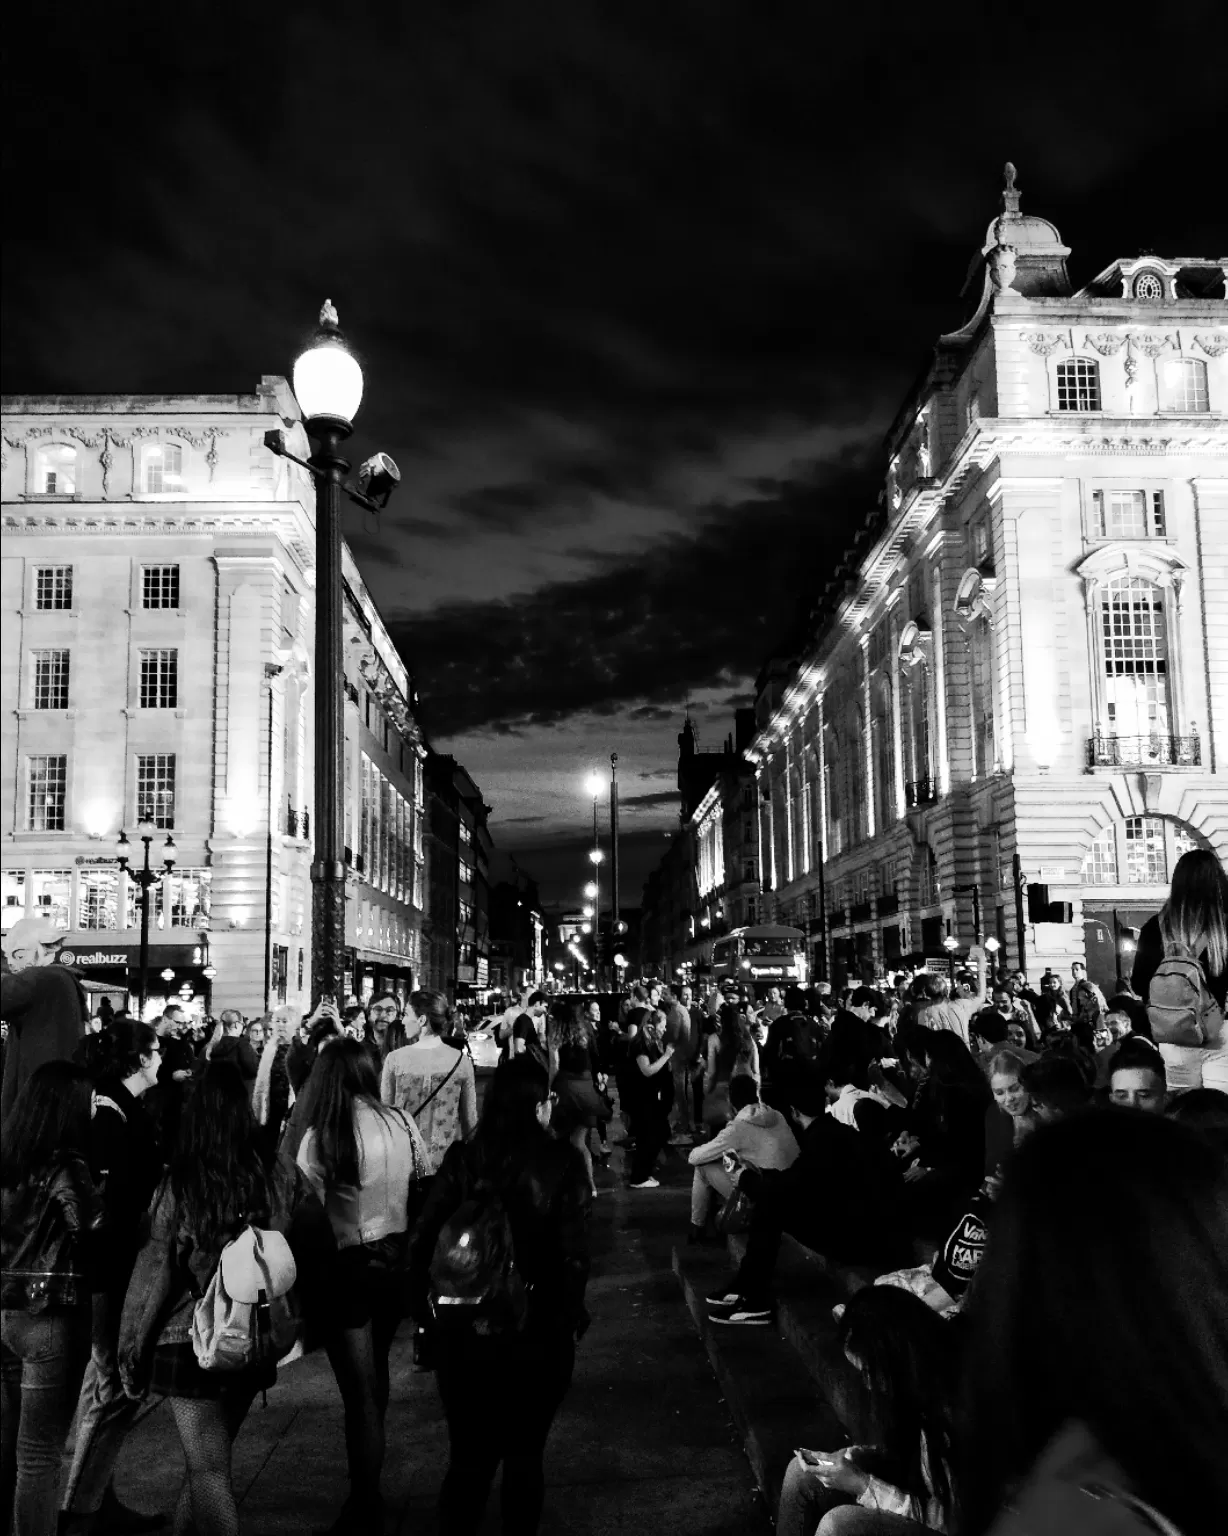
1010, 193
328, 316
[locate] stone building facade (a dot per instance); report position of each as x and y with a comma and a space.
1019, 677
456, 957
156, 618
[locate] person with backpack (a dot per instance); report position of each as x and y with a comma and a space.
363, 1159
50, 1214
237, 1248
498, 1270
1181, 973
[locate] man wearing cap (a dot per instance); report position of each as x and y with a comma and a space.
42, 1003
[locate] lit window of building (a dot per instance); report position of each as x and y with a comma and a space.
47, 780
155, 788
50, 679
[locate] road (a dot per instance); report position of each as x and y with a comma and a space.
643, 1443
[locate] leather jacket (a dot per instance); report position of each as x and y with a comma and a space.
546, 1193
46, 1234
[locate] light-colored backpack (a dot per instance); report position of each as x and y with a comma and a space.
1180, 1009
248, 1314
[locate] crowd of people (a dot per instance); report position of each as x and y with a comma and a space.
1027, 1189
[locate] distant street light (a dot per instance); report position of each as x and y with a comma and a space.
951, 944
596, 856
590, 890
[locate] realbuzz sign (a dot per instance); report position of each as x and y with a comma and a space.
95, 957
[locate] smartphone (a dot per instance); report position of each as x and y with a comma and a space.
813, 1458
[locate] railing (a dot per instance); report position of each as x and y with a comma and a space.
920, 792
1143, 751
298, 823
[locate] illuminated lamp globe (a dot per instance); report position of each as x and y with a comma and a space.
992, 946
590, 890
559, 966
950, 943
327, 378
588, 911
621, 962
596, 856
168, 974
594, 784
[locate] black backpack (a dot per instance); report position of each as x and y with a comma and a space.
475, 1281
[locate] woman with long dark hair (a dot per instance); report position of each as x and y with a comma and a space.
1193, 920
218, 1185
126, 1158
361, 1158
948, 1119
49, 1211
728, 1047
579, 1106
901, 1479
432, 1081
542, 1190
1097, 1356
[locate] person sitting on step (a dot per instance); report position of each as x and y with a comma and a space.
756, 1137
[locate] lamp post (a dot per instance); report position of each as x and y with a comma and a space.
616, 915
328, 386
992, 946
594, 784
146, 878
951, 944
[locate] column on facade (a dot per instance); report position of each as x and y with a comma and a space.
938, 695
897, 739
867, 736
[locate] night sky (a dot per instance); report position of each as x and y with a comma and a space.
637, 289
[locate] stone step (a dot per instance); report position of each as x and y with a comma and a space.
769, 1392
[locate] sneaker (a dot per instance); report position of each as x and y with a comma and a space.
744, 1313
724, 1299
646, 1184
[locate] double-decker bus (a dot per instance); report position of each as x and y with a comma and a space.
767, 955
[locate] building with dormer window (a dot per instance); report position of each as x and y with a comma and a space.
1011, 716
157, 613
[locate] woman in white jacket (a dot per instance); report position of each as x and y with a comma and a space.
758, 1137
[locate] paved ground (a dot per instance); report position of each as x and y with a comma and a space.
643, 1443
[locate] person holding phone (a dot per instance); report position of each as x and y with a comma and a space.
901, 1482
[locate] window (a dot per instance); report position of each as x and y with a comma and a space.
980, 663
183, 899
163, 469
1135, 658
98, 898
55, 472
930, 893
48, 781
53, 587
160, 679
51, 679
159, 586
1146, 862
1149, 287
1100, 865
155, 789
918, 597
980, 544
49, 895
1078, 385
12, 897
1128, 514
1183, 385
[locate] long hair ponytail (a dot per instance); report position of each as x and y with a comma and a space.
1196, 912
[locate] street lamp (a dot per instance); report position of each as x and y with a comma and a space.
992, 946
328, 385
590, 890
951, 944
146, 878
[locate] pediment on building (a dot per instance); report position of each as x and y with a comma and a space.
1159, 565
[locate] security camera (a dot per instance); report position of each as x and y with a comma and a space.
378, 478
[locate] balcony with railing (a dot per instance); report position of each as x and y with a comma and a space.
298, 823
1157, 750
920, 792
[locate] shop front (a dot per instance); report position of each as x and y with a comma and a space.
175, 974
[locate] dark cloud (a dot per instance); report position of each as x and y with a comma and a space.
663, 797
701, 610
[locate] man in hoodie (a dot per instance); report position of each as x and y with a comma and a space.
235, 1047
758, 1137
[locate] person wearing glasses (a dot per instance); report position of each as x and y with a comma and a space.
432, 1081
384, 1032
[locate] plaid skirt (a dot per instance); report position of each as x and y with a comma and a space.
176, 1373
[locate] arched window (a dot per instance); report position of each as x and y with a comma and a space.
1078, 385
163, 469
1149, 287
1134, 635
883, 749
55, 470
1183, 385
1139, 850
980, 666
920, 787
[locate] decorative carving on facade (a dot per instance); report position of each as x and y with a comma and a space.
1152, 343
972, 596
1107, 343
1044, 343
914, 645
1003, 263
386, 693
1214, 344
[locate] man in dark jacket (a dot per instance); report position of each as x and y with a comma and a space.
843, 1197
42, 1003
235, 1047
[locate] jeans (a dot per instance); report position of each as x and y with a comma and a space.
42, 1357
848, 1236
708, 1179
651, 1138
682, 1095
500, 1396
104, 1415
1195, 1066
807, 1508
